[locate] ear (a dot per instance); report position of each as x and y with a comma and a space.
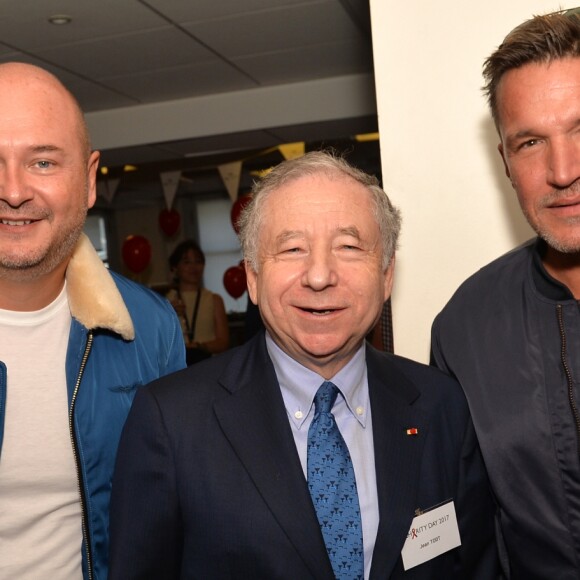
505, 165
252, 282
92, 165
389, 276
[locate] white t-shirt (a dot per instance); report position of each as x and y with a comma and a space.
40, 511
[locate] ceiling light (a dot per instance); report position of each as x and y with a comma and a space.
367, 137
59, 19
261, 173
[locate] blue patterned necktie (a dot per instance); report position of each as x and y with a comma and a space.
332, 487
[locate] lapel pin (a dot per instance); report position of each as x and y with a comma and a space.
413, 431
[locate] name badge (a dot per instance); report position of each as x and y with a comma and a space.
432, 533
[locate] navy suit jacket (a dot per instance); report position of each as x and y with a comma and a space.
209, 484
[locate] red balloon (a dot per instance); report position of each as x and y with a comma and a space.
169, 221
136, 253
235, 281
236, 210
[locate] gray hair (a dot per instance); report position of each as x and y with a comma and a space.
251, 218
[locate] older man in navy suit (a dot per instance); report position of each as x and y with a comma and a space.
305, 453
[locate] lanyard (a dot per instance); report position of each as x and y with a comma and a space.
191, 327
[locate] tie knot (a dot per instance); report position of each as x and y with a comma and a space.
325, 397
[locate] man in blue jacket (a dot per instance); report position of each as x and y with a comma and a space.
76, 341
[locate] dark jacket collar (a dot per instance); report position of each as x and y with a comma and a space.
546, 284
254, 419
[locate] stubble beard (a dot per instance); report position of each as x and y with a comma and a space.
37, 262
564, 244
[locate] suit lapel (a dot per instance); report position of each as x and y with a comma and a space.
397, 457
255, 422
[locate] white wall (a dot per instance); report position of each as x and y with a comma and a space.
439, 149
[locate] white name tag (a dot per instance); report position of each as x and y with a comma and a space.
432, 533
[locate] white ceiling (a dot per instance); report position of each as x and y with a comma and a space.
127, 55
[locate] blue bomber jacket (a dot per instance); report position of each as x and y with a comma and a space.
122, 336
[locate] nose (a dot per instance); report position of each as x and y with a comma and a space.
564, 162
321, 270
13, 187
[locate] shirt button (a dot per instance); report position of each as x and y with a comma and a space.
298, 415
359, 411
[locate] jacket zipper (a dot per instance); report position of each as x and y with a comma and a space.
564, 359
84, 515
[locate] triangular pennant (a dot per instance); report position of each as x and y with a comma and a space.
230, 174
292, 150
170, 182
107, 188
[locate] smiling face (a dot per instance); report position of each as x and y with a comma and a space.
320, 284
539, 119
189, 270
47, 177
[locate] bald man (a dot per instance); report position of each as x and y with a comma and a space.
76, 340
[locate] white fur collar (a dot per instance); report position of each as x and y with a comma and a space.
93, 297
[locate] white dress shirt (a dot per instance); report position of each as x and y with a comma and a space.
353, 416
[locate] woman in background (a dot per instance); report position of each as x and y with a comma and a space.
202, 313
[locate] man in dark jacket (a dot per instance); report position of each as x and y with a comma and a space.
219, 472
511, 333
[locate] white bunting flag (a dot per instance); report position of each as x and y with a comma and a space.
170, 181
230, 174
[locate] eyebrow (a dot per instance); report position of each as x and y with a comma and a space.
350, 231
45, 148
287, 235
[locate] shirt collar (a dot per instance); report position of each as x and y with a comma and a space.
299, 384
